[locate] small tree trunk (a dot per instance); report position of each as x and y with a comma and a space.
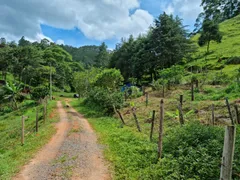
136, 120
152, 125
197, 82
160, 138
228, 153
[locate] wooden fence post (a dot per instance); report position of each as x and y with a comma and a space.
181, 100
36, 119
181, 119
136, 120
22, 134
160, 138
143, 90
229, 110
237, 114
213, 115
45, 111
152, 125
192, 90
228, 153
120, 115
146, 98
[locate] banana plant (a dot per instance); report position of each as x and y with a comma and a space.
12, 93
175, 115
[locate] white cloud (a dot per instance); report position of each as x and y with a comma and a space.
169, 9
60, 42
186, 9
100, 20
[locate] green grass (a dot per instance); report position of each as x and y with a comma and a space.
12, 154
189, 152
229, 47
63, 94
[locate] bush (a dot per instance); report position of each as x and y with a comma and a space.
105, 100
214, 66
40, 92
219, 78
158, 85
134, 92
109, 79
197, 150
233, 60
233, 88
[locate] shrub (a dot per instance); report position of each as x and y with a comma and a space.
134, 92
219, 78
109, 79
233, 88
173, 75
40, 92
197, 150
233, 60
105, 100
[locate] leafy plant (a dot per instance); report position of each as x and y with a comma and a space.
11, 92
105, 100
175, 115
40, 92
233, 60
134, 92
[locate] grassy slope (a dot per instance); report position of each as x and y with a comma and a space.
229, 47
190, 152
12, 154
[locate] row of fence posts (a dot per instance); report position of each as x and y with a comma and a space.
229, 137
23, 118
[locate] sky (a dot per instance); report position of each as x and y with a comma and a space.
87, 22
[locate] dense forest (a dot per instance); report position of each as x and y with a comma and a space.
159, 102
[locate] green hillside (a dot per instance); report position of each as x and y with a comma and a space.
221, 52
85, 54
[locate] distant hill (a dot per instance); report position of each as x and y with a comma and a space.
85, 54
224, 56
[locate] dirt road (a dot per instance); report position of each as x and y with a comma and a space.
72, 153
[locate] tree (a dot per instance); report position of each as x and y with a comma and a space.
210, 32
109, 79
169, 41
84, 81
218, 11
40, 92
102, 59
3, 42
23, 42
122, 58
